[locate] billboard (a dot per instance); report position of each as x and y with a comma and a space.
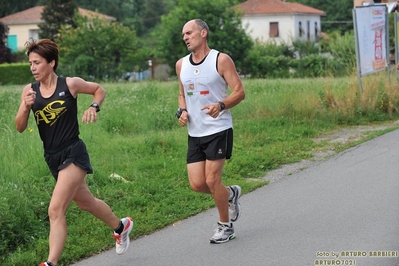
371, 36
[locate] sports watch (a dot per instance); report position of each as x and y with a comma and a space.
95, 105
222, 106
180, 111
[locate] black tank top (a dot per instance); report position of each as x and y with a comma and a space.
56, 116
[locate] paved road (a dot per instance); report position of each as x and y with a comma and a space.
347, 205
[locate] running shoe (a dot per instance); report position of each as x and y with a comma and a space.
223, 233
234, 204
46, 264
123, 240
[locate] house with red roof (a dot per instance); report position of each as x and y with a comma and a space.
280, 22
25, 24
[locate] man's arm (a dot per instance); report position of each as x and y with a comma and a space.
183, 119
228, 71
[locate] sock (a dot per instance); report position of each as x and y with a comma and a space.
231, 193
228, 224
120, 228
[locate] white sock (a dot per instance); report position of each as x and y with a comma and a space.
228, 224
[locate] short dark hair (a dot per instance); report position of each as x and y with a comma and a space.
45, 48
203, 26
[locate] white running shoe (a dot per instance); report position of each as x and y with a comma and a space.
223, 234
123, 240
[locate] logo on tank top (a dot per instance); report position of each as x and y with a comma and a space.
196, 71
197, 86
50, 113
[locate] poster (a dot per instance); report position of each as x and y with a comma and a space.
371, 38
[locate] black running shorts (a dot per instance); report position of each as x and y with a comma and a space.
74, 152
213, 147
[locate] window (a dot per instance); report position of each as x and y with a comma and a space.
34, 34
308, 30
301, 30
273, 29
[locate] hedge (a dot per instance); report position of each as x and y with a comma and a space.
15, 74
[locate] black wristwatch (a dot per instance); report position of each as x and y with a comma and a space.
222, 106
95, 105
179, 112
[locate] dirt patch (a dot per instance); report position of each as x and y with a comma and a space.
342, 136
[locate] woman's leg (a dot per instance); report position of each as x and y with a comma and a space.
87, 202
122, 228
68, 182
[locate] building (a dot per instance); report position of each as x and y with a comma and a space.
25, 24
280, 22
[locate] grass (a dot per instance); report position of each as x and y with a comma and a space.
138, 139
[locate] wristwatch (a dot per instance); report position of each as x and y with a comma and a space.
95, 105
179, 112
222, 106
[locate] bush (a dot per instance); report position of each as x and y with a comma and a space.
302, 58
343, 49
16, 74
311, 66
14, 212
305, 48
268, 61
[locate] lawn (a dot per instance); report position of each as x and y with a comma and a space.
138, 154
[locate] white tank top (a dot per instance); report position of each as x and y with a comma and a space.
203, 85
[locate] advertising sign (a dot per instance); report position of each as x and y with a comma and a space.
371, 29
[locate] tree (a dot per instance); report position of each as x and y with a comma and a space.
136, 16
11, 7
226, 31
55, 14
142, 15
338, 14
99, 49
5, 52
153, 11
5, 8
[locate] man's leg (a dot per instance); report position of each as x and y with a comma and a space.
206, 177
196, 177
213, 176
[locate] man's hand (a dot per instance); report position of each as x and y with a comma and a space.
183, 119
213, 109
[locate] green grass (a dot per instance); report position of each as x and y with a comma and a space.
138, 138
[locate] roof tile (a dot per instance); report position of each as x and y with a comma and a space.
276, 7
34, 15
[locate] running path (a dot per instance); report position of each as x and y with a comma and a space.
342, 211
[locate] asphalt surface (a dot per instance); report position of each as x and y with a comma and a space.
342, 211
